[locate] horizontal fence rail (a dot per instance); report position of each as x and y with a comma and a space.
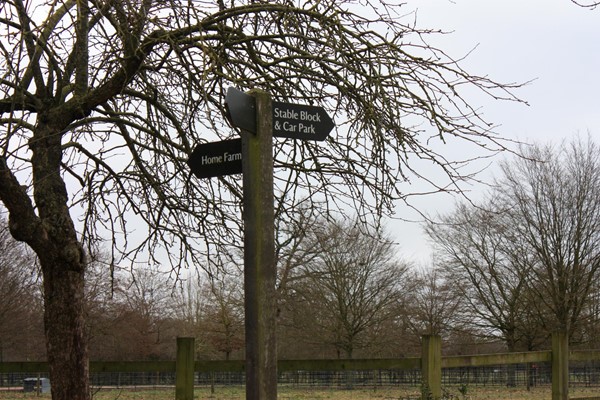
497, 359
385, 374
505, 369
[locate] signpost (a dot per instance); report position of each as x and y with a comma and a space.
260, 119
260, 269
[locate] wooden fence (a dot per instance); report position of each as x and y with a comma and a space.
430, 364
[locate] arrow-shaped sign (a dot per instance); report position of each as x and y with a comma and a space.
299, 121
217, 158
295, 121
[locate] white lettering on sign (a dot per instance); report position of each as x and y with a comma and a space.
312, 117
206, 160
287, 114
296, 121
289, 127
292, 114
309, 129
226, 157
232, 157
299, 121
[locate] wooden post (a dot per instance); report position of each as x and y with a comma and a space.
184, 369
259, 255
431, 367
560, 366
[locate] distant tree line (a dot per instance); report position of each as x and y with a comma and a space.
343, 293
21, 319
526, 260
507, 272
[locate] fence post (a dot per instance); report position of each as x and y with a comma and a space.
560, 366
184, 369
431, 367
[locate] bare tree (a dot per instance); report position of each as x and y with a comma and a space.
488, 265
19, 291
434, 307
144, 308
587, 332
212, 310
102, 289
189, 302
552, 199
295, 245
224, 317
101, 102
350, 288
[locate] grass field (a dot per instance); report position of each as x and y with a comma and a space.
474, 393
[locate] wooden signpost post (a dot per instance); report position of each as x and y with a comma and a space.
260, 269
260, 119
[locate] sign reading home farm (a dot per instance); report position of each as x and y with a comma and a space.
299, 121
217, 158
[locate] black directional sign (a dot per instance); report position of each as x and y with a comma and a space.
217, 158
295, 121
299, 121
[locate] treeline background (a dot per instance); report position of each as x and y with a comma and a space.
508, 271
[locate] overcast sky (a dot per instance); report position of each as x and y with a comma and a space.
552, 42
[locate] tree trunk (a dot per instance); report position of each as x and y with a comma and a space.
65, 331
512, 368
63, 267
49, 230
